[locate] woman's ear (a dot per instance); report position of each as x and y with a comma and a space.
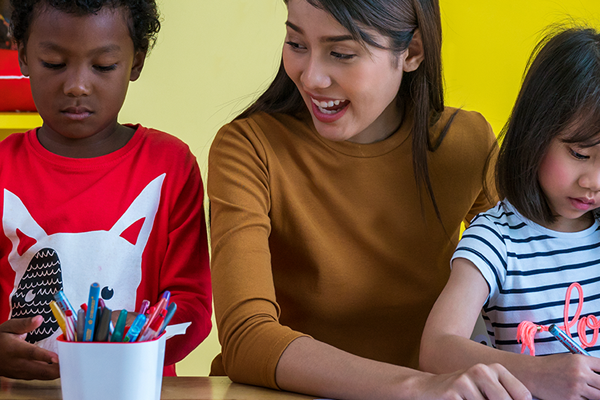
23, 59
416, 53
138, 64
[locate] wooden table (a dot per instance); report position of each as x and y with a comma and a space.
173, 388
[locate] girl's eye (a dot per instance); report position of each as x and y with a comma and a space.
295, 46
105, 68
52, 66
343, 57
577, 155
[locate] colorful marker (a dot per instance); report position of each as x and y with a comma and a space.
101, 333
566, 340
71, 334
117, 335
144, 306
90, 316
134, 329
80, 324
63, 303
170, 311
153, 329
60, 318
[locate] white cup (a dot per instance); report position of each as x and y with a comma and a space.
116, 371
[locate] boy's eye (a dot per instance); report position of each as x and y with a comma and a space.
577, 155
341, 56
105, 68
52, 66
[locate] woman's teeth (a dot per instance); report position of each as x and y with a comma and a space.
323, 105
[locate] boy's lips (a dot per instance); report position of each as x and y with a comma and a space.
76, 113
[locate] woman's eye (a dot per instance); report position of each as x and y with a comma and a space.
294, 45
577, 155
341, 56
105, 68
52, 66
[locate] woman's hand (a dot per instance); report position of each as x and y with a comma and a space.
24, 360
492, 382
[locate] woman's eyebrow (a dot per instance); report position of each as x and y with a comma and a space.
326, 39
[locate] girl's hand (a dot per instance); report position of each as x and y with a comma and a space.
24, 360
492, 382
565, 377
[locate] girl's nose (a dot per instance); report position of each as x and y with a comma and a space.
315, 75
591, 179
77, 82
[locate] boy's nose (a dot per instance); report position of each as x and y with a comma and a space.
77, 83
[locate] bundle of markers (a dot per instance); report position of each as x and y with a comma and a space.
92, 322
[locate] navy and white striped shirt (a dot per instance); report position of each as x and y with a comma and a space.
528, 269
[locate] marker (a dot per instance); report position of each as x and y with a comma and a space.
166, 295
71, 334
566, 340
153, 329
134, 329
144, 306
60, 318
170, 311
64, 304
161, 305
80, 324
101, 334
117, 335
90, 315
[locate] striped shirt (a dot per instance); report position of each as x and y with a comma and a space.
528, 269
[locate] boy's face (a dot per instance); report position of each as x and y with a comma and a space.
80, 68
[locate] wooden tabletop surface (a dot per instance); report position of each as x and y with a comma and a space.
173, 388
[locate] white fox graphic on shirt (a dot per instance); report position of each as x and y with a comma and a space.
45, 264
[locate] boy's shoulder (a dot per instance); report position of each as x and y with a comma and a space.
160, 141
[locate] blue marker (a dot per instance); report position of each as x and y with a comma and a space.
90, 315
135, 328
567, 341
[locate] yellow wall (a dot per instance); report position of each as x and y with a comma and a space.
214, 56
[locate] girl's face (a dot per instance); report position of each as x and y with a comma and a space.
569, 176
80, 68
349, 88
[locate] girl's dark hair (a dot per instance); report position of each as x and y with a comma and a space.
421, 91
560, 96
144, 17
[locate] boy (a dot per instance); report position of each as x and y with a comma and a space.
85, 199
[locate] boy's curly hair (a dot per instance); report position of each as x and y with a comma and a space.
144, 17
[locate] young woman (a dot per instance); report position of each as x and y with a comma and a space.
337, 200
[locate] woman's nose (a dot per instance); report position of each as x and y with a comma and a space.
315, 74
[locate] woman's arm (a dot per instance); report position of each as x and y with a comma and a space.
446, 346
313, 367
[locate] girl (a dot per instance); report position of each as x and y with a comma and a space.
336, 200
519, 259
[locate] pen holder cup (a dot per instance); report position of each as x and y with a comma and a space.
116, 371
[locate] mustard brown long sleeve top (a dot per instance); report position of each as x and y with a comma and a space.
331, 239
